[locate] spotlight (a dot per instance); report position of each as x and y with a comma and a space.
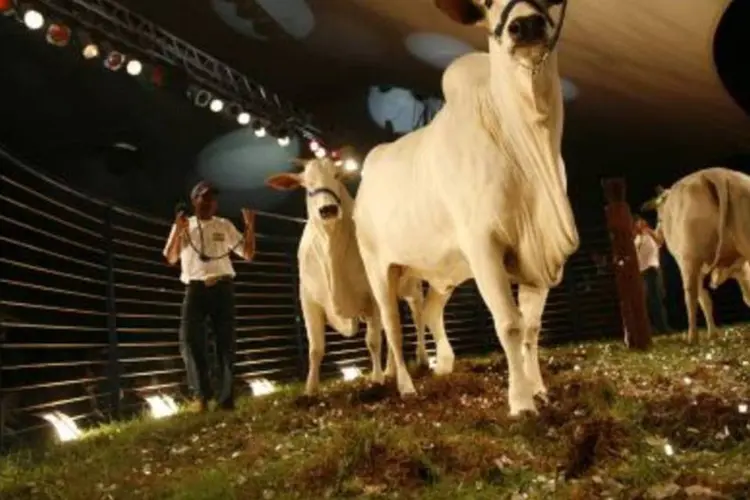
134, 67
58, 35
114, 60
243, 118
259, 130
157, 76
66, 428
320, 152
283, 141
33, 19
350, 372
351, 165
314, 145
216, 105
262, 386
6, 7
202, 98
161, 406
90, 51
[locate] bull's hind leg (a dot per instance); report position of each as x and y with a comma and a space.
374, 341
707, 306
493, 282
691, 282
384, 284
531, 301
315, 325
434, 310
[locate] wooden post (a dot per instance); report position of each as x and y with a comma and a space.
627, 276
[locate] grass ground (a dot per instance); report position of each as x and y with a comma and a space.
668, 423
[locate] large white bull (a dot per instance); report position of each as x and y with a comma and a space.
704, 219
478, 193
333, 284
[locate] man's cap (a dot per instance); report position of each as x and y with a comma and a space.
201, 188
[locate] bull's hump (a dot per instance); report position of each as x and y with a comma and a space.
466, 74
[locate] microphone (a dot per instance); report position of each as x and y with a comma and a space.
181, 206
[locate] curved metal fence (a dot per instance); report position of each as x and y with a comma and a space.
90, 310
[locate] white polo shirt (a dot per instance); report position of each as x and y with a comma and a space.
648, 252
219, 237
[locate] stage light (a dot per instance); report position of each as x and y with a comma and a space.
351, 165
216, 105
350, 373
58, 35
162, 406
338, 163
90, 51
320, 153
33, 19
66, 428
283, 141
243, 118
262, 386
134, 67
6, 7
114, 60
260, 130
202, 98
314, 145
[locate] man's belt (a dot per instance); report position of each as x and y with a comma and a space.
211, 281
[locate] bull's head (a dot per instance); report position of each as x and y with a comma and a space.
522, 27
322, 180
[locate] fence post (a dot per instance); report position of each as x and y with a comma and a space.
2, 403
298, 321
628, 278
113, 364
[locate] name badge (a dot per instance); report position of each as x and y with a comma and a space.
218, 237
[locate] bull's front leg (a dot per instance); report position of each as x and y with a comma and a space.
531, 301
434, 313
384, 283
315, 325
485, 259
374, 341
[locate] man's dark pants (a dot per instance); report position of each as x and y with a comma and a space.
654, 296
216, 302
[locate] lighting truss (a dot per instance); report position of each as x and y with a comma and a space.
119, 24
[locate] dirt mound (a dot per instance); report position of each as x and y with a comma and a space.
703, 421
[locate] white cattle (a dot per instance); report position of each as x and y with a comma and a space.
480, 192
704, 219
333, 284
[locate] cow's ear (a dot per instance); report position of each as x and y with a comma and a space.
461, 11
284, 182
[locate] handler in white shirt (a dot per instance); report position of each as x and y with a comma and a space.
647, 249
202, 243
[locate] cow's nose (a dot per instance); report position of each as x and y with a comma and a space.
528, 29
328, 211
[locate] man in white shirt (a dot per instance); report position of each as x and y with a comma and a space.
202, 243
647, 245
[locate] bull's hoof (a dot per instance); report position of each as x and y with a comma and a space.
306, 400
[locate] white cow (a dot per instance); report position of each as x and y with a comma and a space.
480, 192
333, 284
704, 220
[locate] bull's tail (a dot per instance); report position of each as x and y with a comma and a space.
721, 187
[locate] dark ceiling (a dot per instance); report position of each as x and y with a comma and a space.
649, 100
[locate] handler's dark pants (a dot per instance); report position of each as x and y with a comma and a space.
216, 302
654, 296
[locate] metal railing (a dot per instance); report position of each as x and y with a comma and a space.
90, 311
